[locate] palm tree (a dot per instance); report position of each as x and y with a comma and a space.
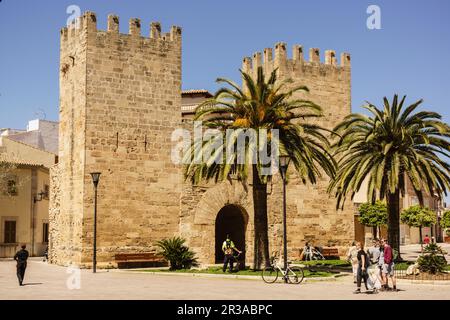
259, 105
386, 148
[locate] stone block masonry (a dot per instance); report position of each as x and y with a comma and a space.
311, 212
120, 97
120, 100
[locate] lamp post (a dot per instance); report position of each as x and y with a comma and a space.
284, 163
38, 197
95, 178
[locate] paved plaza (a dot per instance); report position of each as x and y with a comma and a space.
44, 281
412, 251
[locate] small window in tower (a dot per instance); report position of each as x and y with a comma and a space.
11, 187
46, 191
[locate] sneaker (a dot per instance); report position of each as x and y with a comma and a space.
357, 291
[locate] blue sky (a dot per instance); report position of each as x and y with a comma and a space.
409, 55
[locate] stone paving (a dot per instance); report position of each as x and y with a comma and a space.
412, 251
43, 281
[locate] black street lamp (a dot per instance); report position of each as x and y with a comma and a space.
95, 179
284, 163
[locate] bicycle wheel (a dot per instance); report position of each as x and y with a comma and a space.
295, 275
269, 274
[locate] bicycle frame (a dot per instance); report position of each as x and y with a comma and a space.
289, 275
283, 273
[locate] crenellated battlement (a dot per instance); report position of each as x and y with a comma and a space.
87, 23
277, 57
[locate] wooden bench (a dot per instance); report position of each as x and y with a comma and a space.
327, 252
139, 260
330, 253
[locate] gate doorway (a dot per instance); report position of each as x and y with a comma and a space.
230, 220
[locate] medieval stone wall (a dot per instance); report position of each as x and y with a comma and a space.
311, 212
120, 100
118, 121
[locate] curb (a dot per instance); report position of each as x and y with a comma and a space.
228, 276
428, 282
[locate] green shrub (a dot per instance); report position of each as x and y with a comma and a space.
177, 254
373, 215
445, 220
432, 260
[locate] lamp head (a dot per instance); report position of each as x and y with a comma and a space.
284, 160
95, 177
284, 163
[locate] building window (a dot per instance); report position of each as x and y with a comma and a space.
46, 191
10, 232
11, 187
45, 232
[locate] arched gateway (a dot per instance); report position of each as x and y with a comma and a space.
230, 220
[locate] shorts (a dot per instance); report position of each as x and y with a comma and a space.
388, 269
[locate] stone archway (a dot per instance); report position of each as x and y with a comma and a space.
198, 223
230, 221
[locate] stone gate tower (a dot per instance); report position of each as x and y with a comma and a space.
120, 97
311, 211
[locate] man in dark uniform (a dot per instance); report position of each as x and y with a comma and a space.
21, 258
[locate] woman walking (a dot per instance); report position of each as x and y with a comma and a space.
363, 263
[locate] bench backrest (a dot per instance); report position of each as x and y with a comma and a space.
136, 256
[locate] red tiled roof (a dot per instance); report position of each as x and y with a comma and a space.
8, 159
196, 91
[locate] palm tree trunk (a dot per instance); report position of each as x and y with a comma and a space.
261, 240
393, 223
374, 232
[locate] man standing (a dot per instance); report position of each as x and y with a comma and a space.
374, 269
426, 240
228, 247
21, 259
353, 259
388, 265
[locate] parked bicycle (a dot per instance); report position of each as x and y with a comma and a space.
292, 275
239, 263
